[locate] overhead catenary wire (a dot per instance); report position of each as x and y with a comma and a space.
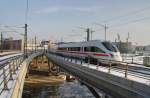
130, 22
89, 32
126, 15
11, 29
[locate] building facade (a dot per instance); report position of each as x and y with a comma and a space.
125, 47
10, 44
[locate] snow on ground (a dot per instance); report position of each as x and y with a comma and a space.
8, 56
136, 59
114, 72
10, 83
8, 53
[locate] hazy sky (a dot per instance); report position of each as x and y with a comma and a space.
60, 19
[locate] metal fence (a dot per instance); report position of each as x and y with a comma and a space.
111, 65
8, 68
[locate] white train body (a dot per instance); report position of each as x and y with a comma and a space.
95, 48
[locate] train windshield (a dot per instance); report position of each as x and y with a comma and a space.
110, 46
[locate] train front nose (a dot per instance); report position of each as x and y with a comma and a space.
117, 57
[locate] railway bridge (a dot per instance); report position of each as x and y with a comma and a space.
123, 81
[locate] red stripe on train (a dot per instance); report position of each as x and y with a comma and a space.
98, 54
86, 53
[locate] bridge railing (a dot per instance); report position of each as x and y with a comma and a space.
8, 68
111, 65
101, 59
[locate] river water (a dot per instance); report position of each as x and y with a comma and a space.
42, 84
66, 90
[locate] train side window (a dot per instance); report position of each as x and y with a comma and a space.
78, 48
62, 49
96, 49
75, 49
87, 49
69, 49
110, 46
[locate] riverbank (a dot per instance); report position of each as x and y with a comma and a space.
36, 80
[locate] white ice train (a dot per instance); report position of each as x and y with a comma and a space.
95, 48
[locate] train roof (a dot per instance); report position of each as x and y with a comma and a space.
81, 44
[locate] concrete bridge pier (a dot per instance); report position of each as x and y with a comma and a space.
68, 77
53, 68
42, 59
39, 60
28, 70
